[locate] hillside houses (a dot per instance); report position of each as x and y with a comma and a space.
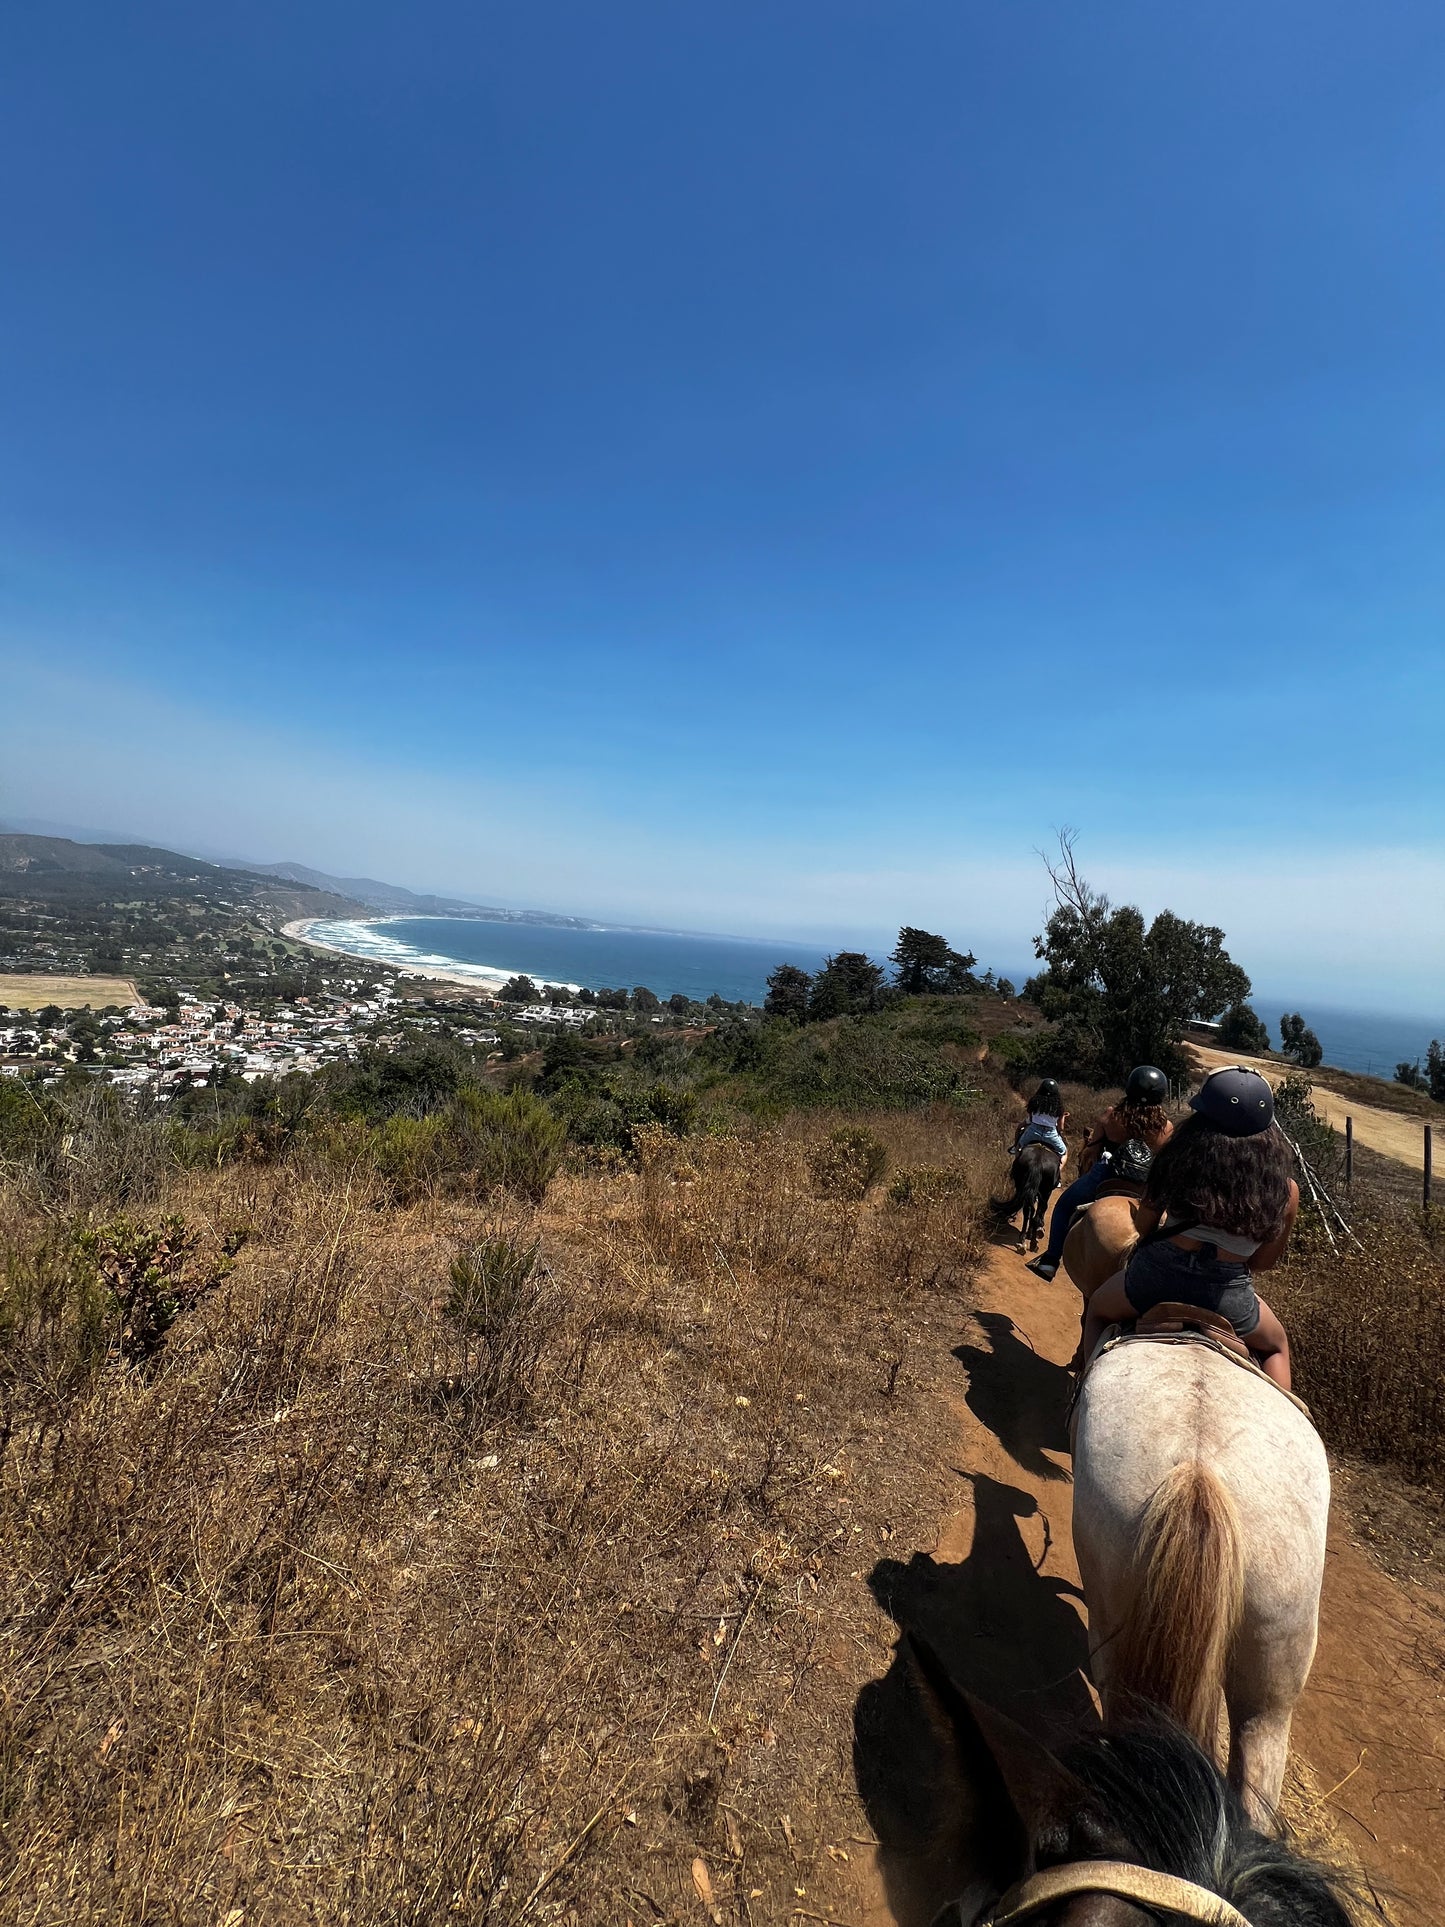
163, 1047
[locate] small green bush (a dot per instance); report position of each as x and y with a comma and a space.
924, 1184
501, 1298
150, 1273
510, 1141
847, 1163
857, 1065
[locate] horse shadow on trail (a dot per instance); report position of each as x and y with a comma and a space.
1005, 1632
1022, 1397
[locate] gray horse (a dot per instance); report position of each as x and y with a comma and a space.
1201, 1498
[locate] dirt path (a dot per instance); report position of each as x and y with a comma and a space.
997, 1595
1394, 1134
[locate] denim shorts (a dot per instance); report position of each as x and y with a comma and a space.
1166, 1274
1036, 1134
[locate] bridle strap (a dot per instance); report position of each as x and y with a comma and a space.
1117, 1877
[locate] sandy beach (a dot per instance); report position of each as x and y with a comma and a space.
480, 980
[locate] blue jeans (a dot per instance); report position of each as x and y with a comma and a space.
1038, 1134
1083, 1190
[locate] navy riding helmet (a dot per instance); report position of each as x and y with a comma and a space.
1236, 1101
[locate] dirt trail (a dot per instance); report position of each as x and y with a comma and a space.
997, 1595
1394, 1134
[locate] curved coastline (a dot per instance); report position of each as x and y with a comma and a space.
402, 958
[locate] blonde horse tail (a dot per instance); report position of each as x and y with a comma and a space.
1187, 1601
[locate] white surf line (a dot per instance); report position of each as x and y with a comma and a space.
406, 959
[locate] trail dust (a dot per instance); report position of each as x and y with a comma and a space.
997, 1594
1394, 1134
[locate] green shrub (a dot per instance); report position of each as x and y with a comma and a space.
857, 1065
53, 1308
413, 1154
501, 1298
510, 1141
610, 1118
924, 1184
847, 1163
149, 1274
29, 1120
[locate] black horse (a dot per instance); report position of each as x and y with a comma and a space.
1133, 1824
1033, 1174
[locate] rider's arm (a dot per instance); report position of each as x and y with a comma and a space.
1269, 1255
1147, 1213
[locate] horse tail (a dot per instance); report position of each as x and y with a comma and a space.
1021, 1178
1188, 1598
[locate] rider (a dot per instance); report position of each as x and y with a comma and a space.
1219, 1206
1045, 1122
1140, 1115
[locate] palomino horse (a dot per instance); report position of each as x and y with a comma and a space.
1033, 1174
1134, 1824
1201, 1497
1099, 1242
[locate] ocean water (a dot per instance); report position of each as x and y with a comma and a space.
1360, 1040
737, 968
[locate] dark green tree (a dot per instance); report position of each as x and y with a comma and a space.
519, 990
1412, 1076
848, 985
787, 997
679, 1003
1241, 1028
924, 962
645, 1001
1121, 992
1298, 1041
1435, 1070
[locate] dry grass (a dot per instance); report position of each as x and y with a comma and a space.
68, 993
1367, 1333
325, 1614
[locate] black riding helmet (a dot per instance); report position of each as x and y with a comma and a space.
1146, 1086
1236, 1101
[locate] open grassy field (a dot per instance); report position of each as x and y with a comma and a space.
69, 993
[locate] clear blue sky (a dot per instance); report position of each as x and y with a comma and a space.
754, 468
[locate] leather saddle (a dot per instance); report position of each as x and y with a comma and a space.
1172, 1321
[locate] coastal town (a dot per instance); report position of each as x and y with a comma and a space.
189, 1042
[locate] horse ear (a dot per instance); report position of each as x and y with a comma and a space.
1026, 1789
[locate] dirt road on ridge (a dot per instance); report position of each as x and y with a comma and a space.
997, 1596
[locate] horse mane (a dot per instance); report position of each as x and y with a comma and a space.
1155, 1788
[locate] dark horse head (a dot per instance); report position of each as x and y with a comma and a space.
1034, 1173
1142, 1794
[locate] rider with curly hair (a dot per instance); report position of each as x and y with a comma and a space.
1219, 1206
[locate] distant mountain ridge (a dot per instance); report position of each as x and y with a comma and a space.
111, 855
396, 901
60, 870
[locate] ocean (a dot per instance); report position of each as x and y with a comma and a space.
737, 968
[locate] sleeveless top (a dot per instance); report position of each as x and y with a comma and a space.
1237, 1245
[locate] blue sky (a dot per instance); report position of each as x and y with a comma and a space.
756, 469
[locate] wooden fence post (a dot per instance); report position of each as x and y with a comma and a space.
1349, 1150
1429, 1159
